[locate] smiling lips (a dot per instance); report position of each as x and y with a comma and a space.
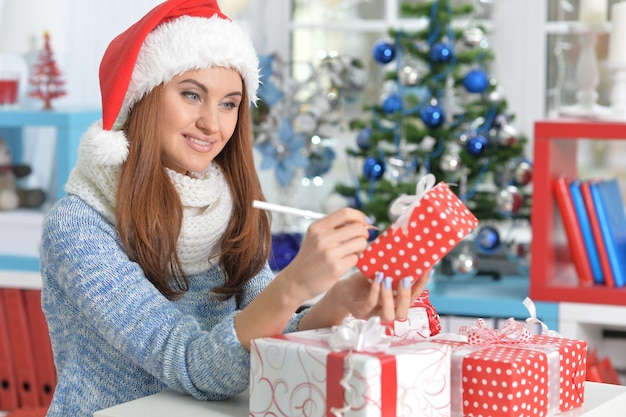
201, 145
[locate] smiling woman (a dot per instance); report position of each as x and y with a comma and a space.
155, 264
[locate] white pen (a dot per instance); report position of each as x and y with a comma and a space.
287, 210
263, 205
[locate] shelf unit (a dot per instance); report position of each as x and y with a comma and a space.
589, 321
485, 297
552, 274
70, 126
22, 269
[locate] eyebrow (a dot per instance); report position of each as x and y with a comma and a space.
205, 89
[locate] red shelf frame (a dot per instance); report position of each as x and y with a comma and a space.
552, 274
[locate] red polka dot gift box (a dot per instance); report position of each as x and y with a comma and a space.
429, 225
511, 372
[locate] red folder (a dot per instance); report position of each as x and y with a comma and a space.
8, 385
572, 230
597, 234
608, 373
42, 348
21, 346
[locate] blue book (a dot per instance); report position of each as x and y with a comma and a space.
610, 210
585, 228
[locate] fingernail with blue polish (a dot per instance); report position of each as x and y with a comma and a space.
406, 282
379, 277
388, 281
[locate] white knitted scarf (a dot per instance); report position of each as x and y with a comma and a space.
206, 198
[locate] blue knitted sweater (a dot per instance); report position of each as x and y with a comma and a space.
116, 338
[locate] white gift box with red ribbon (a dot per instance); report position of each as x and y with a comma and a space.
429, 225
353, 370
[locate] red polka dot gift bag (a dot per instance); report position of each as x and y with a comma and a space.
429, 225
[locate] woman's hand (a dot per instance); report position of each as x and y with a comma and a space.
329, 250
365, 298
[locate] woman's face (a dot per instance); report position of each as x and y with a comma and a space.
201, 108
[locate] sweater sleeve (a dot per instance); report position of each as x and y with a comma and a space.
85, 266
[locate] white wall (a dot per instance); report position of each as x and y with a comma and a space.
519, 45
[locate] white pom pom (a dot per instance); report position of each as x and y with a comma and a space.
104, 147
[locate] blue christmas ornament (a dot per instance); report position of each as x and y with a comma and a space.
373, 168
476, 81
433, 115
476, 145
285, 247
488, 240
392, 104
363, 138
384, 52
442, 52
373, 234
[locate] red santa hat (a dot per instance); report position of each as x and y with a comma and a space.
174, 37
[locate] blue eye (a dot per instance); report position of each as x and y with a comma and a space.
191, 95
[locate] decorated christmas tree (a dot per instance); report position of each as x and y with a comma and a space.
442, 113
46, 82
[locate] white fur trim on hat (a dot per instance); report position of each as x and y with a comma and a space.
188, 43
103, 147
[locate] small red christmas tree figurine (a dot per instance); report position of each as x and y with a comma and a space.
46, 82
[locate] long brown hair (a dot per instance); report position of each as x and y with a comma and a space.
149, 212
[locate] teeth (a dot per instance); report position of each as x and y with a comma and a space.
197, 141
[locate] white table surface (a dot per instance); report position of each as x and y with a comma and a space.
601, 400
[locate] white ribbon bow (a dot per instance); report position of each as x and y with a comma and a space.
359, 336
532, 320
403, 206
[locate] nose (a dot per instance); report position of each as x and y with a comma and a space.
208, 120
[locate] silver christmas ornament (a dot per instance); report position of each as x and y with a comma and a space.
507, 135
348, 74
509, 200
450, 162
473, 36
523, 173
396, 169
464, 263
494, 94
463, 137
409, 76
501, 120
